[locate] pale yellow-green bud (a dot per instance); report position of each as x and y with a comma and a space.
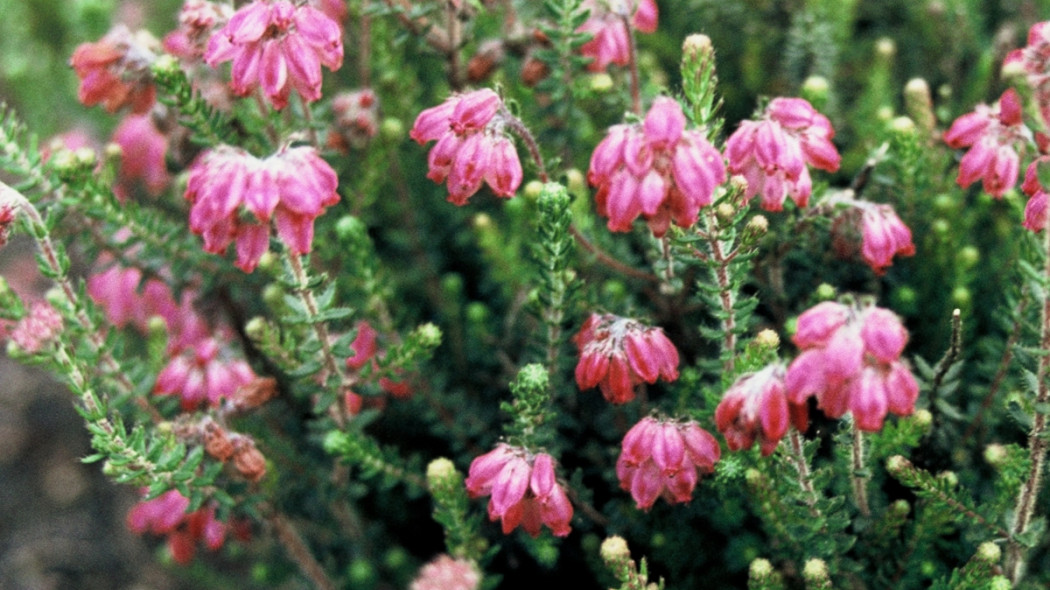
441, 471
165, 64
112, 151
614, 549
86, 157
760, 569
996, 455
601, 82
815, 89
696, 44
758, 224
533, 188
902, 125
256, 328
884, 113
917, 88
886, 48
1000, 583
753, 476
575, 181
392, 128
156, 325
725, 212
1013, 69
900, 508
737, 182
815, 570
826, 292
922, 418
267, 261
767, 339
897, 464
482, 221
428, 335
989, 552
949, 477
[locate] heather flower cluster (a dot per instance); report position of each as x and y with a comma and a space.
882, 235
234, 196
994, 135
774, 153
167, 515
447, 573
472, 147
617, 354
278, 46
366, 354
850, 362
38, 329
665, 458
607, 24
114, 70
1035, 211
1033, 62
756, 407
657, 170
523, 489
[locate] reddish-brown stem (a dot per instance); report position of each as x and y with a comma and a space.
609, 261
518, 128
860, 483
297, 550
434, 36
632, 66
805, 480
721, 260
364, 50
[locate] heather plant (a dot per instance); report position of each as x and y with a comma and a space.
821, 347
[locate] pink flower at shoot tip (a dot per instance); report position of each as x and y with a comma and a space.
114, 70
775, 152
472, 147
166, 515
994, 134
657, 170
617, 354
278, 46
756, 407
523, 490
610, 42
665, 458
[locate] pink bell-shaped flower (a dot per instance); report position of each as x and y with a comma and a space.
472, 148
773, 153
756, 407
610, 42
523, 490
278, 46
657, 170
616, 354
663, 458
850, 362
994, 135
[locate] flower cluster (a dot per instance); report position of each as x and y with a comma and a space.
657, 170
850, 362
223, 446
1033, 60
523, 490
142, 148
882, 234
992, 133
1035, 211
610, 42
446, 573
292, 187
756, 407
114, 70
616, 354
166, 515
356, 119
665, 458
278, 46
198, 19
365, 355
471, 147
40, 327
773, 152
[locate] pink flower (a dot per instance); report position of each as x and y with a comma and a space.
166, 515
203, 374
142, 148
356, 119
278, 46
616, 354
656, 170
446, 573
610, 41
114, 70
7, 217
523, 490
992, 134
471, 146
773, 152
366, 354
663, 458
234, 196
39, 328
1035, 212
872, 229
756, 407
850, 362
1034, 60
198, 19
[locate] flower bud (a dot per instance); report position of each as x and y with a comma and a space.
815, 572
216, 442
767, 339
996, 455
758, 225
897, 464
255, 393
601, 82
988, 552
248, 460
441, 472
614, 549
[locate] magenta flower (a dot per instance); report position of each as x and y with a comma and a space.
471, 147
198, 19
234, 196
523, 490
203, 374
657, 170
1035, 212
356, 119
664, 458
993, 135
850, 362
278, 46
756, 407
1034, 61
773, 153
616, 354
874, 230
166, 515
114, 70
446, 573
39, 328
610, 41
142, 148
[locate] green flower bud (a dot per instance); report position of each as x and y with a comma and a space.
697, 45
1000, 583
428, 335
533, 188
767, 339
601, 82
996, 455
614, 549
989, 552
441, 472
392, 129
825, 292
760, 569
816, 571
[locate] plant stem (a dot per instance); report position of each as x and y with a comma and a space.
606, 259
293, 543
726, 296
632, 53
805, 478
860, 482
518, 127
1037, 440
